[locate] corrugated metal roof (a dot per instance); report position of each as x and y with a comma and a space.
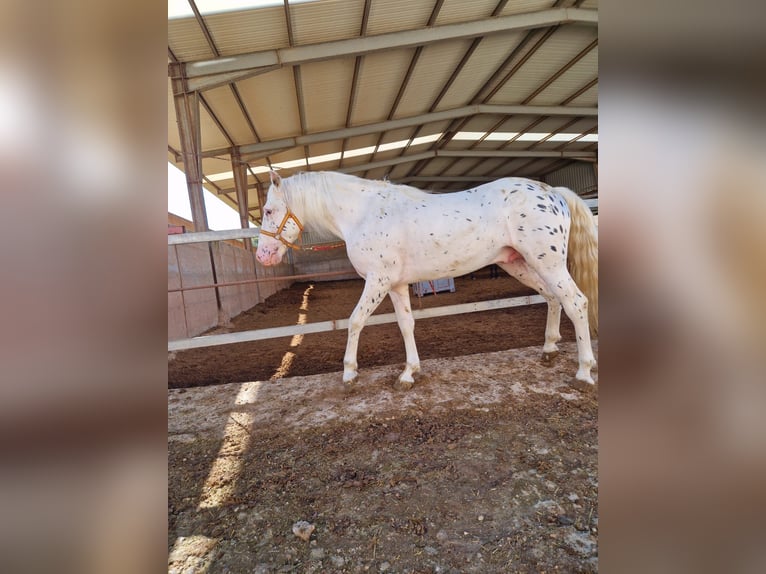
326, 88
486, 58
315, 22
524, 6
588, 98
272, 103
570, 81
276, 92
576, 177
379, 82
248, 31
563, 45
223, 101
398, 15
433, 69
453, 11
187, 41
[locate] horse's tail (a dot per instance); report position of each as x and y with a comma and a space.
582, 259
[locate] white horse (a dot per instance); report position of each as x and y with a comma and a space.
396, 235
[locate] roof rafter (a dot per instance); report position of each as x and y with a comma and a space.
455, 73
537, 121
355, 78
418, 168
232, 86
408, 74
300, 100
492, 86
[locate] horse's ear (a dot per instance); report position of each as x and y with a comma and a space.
275, 179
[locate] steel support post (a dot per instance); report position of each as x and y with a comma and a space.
239, 168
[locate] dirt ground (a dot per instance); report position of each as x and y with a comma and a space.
379, 344
489, 464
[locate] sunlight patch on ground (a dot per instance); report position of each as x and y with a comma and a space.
225, 470
192, 554
289, 356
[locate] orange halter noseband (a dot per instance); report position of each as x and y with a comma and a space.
278, 235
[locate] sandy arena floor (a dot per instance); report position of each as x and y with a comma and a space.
489, 464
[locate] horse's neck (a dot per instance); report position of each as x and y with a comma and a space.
319, 198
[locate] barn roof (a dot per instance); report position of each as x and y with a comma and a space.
440, 94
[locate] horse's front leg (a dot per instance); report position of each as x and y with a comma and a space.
375, 288
400, 296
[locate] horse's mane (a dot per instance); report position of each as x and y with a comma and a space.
311, 193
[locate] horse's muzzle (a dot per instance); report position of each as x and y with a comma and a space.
268, 257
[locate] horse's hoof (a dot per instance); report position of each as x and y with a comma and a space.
548, 357
349, 389
350, 385
401, 385
583, 386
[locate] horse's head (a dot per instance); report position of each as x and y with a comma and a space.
280, 228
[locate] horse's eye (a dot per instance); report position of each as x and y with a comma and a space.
267, 212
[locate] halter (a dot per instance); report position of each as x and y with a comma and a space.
278, 235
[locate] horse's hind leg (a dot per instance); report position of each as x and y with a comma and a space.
529, 277
400, 297
373, 293
575, 305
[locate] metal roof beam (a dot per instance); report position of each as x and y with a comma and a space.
251, 151
387, 162
584, 155
445, 179
512, 153
295, 55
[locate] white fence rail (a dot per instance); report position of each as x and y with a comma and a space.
204, 236
322, 326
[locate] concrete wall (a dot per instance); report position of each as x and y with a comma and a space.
193, 312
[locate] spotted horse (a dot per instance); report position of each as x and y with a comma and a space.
396, 235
